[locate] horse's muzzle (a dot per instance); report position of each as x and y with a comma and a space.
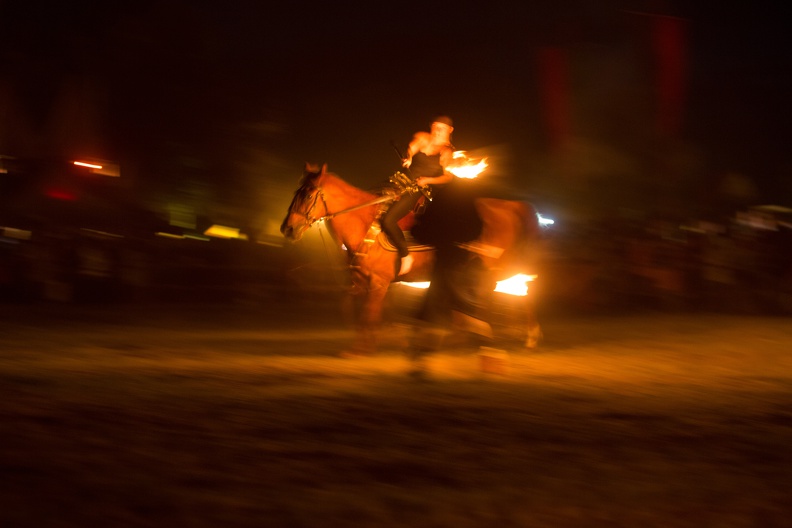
290, 232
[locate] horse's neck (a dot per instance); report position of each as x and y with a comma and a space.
350, 227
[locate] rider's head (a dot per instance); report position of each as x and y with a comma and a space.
442, 126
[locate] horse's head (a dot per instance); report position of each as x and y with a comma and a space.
307, 206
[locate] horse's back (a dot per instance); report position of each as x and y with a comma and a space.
506, 222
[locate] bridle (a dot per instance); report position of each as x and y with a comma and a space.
308, 189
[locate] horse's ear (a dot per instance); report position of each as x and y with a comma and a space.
311, 168
324, 168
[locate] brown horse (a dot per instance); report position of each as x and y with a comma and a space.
351, 215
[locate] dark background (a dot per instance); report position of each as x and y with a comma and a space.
218, 105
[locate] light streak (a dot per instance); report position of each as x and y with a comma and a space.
86, 164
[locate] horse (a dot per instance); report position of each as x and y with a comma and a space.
351, 216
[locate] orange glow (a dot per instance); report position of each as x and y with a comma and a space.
464, 167
516, 285
86, 164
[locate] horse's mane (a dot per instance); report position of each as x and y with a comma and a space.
312, 175
309, 177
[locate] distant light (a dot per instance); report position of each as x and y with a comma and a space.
545, 221
86, 164
167, 235
105, 168
268, 243
101, 233
18, 234
221, 231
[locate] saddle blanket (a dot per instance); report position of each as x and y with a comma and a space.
414, 246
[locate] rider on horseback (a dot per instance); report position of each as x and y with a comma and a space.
427, 157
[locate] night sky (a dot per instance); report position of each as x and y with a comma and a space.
219, 85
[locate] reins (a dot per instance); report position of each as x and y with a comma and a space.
320, 194
381, 199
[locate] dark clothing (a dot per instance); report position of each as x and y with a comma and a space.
390, 220
458, 276
460, 292
452, 218
422, 165
459, 282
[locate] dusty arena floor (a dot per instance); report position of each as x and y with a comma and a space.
230, 416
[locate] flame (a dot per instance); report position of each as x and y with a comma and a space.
516, 285
464, 167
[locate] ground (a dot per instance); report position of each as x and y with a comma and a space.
168, 415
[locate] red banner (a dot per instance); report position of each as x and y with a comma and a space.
553, 66
669, 43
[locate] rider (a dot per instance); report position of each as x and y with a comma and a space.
427, 158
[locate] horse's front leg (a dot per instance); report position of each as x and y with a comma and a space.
368, 299
370, 320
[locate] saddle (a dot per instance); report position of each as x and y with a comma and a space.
387, 245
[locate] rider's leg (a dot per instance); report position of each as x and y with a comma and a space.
390, 226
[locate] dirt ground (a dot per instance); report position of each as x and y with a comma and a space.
209, 416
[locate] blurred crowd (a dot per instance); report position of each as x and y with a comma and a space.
743, 265
740, 266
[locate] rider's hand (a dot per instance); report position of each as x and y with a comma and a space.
406, 162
